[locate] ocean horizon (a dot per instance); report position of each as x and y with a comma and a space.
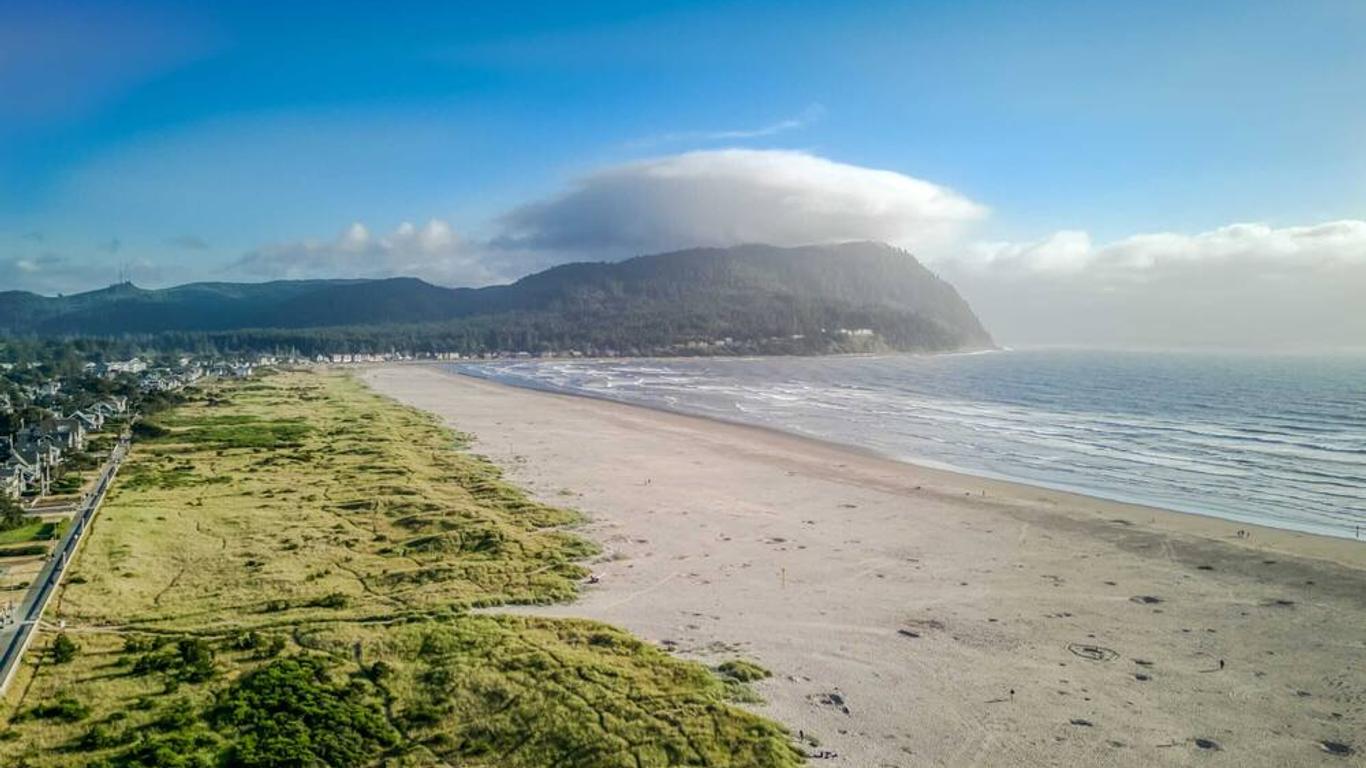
1258, 438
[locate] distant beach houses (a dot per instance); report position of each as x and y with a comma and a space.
50, 419
31, 456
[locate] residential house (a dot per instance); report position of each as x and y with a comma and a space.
35, 462
111, 407
91, 419
68, 433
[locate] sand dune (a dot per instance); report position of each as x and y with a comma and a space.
919, 617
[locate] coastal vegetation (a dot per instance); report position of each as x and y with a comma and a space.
12, 519
287, 572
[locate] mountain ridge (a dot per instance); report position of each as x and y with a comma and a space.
743, 292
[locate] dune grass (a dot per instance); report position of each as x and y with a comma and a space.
297, 538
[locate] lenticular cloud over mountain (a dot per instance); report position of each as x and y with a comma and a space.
730, 196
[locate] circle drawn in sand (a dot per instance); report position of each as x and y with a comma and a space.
1092, 652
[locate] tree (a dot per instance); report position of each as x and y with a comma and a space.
63, 649
11, 514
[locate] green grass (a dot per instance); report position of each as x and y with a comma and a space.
34, 531
300, 522
742, 671
28, 550
70, 482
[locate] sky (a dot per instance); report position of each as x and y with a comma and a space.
1117, 174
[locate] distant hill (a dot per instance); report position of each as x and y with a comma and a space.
841, 297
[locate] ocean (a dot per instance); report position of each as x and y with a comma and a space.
1276, 440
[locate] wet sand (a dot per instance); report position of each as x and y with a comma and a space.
913, 616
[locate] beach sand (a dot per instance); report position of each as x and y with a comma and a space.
898, 607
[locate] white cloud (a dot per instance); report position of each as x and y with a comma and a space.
432, 251
1147, 256
730, 196
1238, 285
680, 201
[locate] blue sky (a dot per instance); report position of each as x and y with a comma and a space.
188, 141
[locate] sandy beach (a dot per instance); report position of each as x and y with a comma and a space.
912, 616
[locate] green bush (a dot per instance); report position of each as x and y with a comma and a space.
196, 748
65, 709
63, 649
99, 736
191, 661
333, 600
743, 671
292, 713
148, 430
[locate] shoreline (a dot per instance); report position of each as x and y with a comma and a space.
914, 616
1010, 484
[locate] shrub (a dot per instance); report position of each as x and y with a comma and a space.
272, 649
192, 661
196, 660
66, 709
63, 649
197, 748
99, 736
743, 671
291, 712
148, 430
176, 716
380, 670
333, 600
136, 644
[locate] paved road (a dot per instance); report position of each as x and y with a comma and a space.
14, 637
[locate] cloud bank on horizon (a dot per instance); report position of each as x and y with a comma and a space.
1241, 284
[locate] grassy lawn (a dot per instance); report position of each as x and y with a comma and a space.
287, 574
35, 531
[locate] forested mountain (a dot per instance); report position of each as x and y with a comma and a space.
763, 298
